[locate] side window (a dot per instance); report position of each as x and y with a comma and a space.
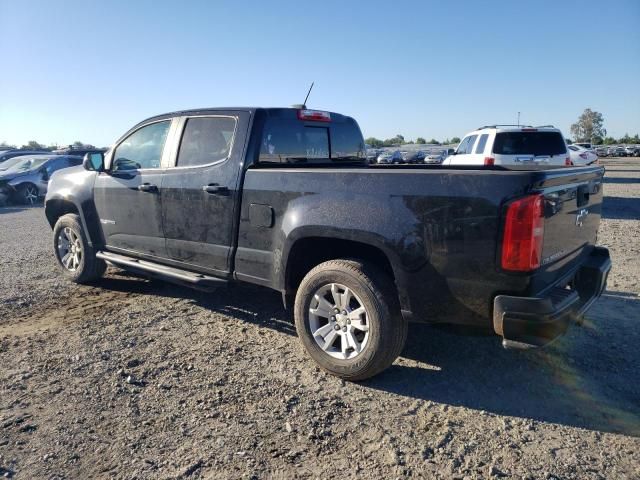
142, 149
55, 165
206, 140
469, 147
462, 148
482, 142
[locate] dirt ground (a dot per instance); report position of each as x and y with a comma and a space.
140, 379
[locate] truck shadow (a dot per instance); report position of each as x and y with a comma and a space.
587, 379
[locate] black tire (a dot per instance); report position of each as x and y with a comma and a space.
25, 194
387, 328
88, 268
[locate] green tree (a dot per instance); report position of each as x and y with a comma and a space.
434, 141
590, 124
33, 145
374, 142
609, 141
455, 140
596, 140
78, 144
420, 141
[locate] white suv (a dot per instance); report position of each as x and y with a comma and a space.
512, 145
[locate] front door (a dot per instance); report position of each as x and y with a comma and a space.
201, 191
127, 195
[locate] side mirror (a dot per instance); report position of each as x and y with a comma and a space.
45, 174
93, 161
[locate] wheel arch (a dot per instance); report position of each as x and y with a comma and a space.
306, 251
56, 207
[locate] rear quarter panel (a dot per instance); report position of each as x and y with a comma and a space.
439, 229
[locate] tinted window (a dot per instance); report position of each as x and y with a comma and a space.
529, 143
482, 142
206, 140
346, 141
293, 142
143, 148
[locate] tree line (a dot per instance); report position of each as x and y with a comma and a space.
400, 140
33, 145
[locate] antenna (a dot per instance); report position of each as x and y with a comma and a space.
304, 104
518, 118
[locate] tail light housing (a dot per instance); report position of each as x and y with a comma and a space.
583, 156
489, 161
567, 161
523, 234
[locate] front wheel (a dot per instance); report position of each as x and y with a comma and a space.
348, 319
76, 258
28, 194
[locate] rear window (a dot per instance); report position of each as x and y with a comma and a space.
292, 141
529, 143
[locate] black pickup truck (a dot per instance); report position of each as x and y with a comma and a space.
284, 198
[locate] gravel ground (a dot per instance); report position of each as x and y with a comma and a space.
141, 379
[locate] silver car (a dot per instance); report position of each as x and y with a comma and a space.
436, 155
26, 181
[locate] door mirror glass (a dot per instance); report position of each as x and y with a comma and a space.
93, 161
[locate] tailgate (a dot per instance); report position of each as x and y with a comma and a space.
572, 210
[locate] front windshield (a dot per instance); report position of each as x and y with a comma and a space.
436, 152
26, 164
9, 163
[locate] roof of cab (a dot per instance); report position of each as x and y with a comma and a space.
212, 110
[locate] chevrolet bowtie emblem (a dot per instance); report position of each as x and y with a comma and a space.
581, 216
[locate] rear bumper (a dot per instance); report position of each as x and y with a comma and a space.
525, 322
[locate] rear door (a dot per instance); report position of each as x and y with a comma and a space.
200, 191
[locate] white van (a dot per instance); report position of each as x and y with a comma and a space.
512, 145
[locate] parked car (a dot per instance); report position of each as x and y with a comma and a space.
26, 181
617, 151
78, 151
356, 251
436, 155
585, 145
602, 151
388, 157
412, 156
372, 155
581, 156
632, 150
511, 146
7, 154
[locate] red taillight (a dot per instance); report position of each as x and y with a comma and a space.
314, 115
529, 130
489, 161
523, 234
567, 161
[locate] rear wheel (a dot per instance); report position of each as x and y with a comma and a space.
76, 258
348, 320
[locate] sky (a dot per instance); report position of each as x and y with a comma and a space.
89, 70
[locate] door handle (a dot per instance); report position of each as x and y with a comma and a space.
148, 187
216, 189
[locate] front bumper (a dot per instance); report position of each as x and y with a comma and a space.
525, 322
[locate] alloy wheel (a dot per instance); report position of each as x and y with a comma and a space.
338, 321
69, 249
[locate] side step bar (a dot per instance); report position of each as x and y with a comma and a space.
164, 272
